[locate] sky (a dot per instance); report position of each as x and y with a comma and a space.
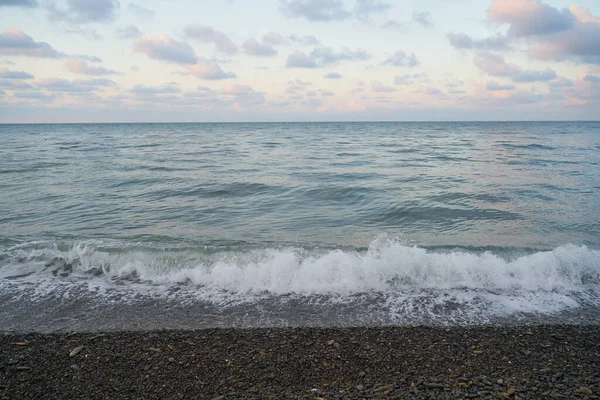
298, 60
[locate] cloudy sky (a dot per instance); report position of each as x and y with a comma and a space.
298, 60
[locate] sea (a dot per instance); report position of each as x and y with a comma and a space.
203, 225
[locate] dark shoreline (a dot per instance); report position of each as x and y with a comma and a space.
526, 362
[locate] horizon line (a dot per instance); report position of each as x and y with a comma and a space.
289, 122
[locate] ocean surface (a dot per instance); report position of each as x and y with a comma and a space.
142, 226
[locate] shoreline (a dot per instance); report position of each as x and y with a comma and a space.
520, 362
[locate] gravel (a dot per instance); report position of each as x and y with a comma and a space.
531, 362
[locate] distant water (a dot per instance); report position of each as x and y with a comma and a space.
108, 226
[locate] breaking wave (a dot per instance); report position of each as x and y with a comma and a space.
386, 266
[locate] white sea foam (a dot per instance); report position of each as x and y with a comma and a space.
395, 282
387, 266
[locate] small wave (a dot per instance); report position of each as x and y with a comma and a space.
235, 189
389, 282
529, 146
33, 167
345, 194
416, 213
386, 266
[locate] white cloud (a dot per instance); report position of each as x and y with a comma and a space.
409, 79
323, 56
314, 10
423, 18
275, 39
40, 96
300, 59
83, 68
12, 84
395, 26
494, 65
83, 11
494, 86
129, 32
364, 8
463, 41
252, 47
550, 34
306, 40
8, 74
401, 59
162, 47
145, 91
208, 34
18, 43
379, 87
205, 69
332, 75
77, 86
530, 17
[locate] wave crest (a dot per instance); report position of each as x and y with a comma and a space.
387, 266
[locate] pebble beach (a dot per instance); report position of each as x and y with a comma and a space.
485, 362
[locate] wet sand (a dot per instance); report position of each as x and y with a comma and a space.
489, 362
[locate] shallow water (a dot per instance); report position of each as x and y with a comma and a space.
298, 224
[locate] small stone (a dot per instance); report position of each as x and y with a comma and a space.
361, 373
171, 359
478, 352
500, 381
586, 391
438, 386
75, 367
336, 345
12, 362
154, 349
511, 391
384, 388
75, 351
331, 342
360, 387
463, 385
23, 368
219, 398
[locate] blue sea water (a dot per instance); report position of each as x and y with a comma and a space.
104, 225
